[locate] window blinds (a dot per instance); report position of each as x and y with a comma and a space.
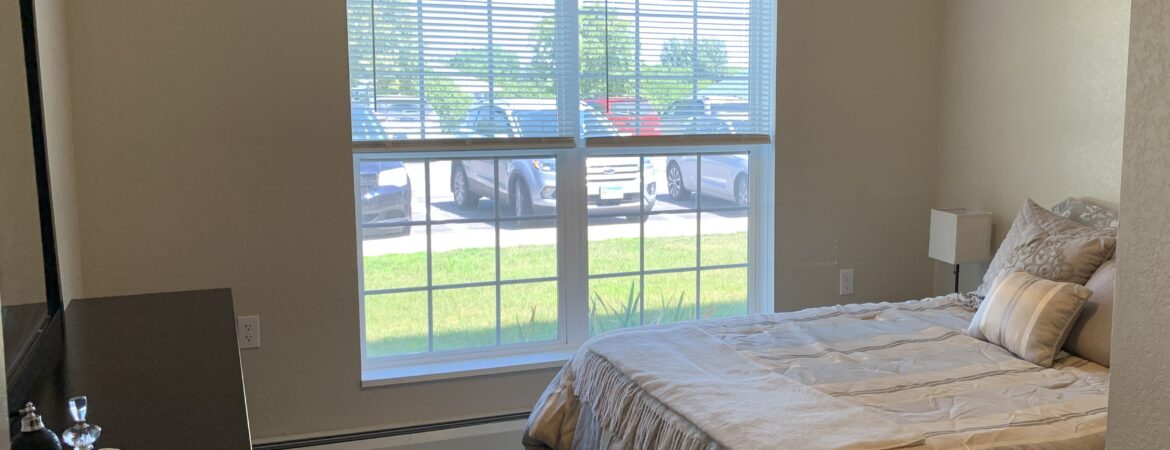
435, 69
679, 67
596, 69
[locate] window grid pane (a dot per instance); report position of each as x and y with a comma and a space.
691, 233
461, 299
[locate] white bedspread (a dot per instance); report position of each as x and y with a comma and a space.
889, 375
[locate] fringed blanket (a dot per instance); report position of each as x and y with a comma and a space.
889, 375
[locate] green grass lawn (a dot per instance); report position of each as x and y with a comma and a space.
466, 317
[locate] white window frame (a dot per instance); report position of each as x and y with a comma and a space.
572, 232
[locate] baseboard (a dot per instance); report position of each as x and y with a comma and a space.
402, 436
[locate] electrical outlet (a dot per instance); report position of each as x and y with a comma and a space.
845, 282
248, 331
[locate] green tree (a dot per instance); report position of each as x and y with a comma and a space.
606, 45
449, 102
383, 44
503, 71
706, 57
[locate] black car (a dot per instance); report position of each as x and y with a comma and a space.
385, 184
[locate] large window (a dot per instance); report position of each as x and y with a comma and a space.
529, 173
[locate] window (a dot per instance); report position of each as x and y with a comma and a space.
529, 173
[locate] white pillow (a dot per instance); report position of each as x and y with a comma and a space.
1028, 315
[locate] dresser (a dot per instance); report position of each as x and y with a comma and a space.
161, 371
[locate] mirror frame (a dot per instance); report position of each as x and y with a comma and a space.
47, 345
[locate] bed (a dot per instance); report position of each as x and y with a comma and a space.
875, 375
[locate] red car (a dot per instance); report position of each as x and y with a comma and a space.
631, 116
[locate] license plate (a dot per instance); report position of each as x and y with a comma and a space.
612, 193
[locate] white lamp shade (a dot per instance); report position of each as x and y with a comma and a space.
960, 235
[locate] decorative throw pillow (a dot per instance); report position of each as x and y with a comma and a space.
1091, 336
1028, 315
1051, 247
1087, 212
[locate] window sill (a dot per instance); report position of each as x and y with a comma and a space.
418, 373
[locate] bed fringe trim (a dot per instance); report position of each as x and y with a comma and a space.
636, 419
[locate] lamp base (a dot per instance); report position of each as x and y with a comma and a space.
956, 278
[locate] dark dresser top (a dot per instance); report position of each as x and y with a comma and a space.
161, 371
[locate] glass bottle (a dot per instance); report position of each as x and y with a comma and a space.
81, 435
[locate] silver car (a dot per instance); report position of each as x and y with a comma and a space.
723, 176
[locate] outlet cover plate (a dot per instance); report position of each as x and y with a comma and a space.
845, 285
248, 331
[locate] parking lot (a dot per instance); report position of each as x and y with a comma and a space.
472, 235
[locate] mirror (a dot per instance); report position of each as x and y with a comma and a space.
30, 294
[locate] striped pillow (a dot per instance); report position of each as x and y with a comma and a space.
1028, 315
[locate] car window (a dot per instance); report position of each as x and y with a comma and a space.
536, 123
596, 124
729, 108
493, 122
398, 107
686, 108
631, 108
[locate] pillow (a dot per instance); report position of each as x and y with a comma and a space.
1092, 334
1051, 247
1087, 212
1028, 315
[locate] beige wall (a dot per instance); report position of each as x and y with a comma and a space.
1140, 372
212, 149
856, 119
21, 271
1033, 105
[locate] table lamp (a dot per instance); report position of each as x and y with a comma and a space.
960, 235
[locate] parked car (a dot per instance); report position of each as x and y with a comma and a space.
631, 116
385, 195
529, 186
406, 117
705, 114
723, 176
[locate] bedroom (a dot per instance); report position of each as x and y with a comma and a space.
208, 144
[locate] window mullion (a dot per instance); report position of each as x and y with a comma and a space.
430, 271
496, 224
572, 217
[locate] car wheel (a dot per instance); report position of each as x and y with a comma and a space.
521, 205
742, 192
674, 183
461, 189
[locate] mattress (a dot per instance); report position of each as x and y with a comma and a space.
877, 375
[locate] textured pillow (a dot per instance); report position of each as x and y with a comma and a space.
1092, 335
1087, 212
1028, 315
1051, 247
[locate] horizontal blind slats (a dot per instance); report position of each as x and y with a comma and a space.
466, 70
437, 70
680, 67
